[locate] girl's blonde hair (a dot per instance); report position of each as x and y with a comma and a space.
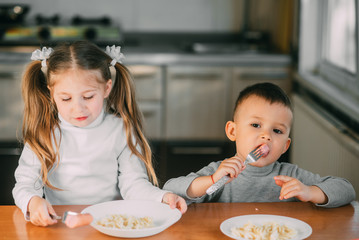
41, 115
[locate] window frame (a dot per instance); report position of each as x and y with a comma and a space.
336, 85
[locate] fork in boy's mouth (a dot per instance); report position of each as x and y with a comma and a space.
264, 150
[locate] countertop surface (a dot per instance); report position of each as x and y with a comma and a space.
230, 59
168, 56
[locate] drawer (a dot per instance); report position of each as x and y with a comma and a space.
243, 77
9, 157
184, 157
148, 81
11, 109
246, 76
196, 102
152, 113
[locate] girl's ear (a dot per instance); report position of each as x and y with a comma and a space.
108, 87
231, 130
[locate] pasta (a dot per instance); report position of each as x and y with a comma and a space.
125, 222
267, 231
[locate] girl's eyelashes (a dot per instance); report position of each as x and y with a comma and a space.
85, 98
89, 97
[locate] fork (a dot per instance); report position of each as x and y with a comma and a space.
74, 219
253, 156
64, 216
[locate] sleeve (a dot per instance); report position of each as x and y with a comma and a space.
28, 181
180, 185
133, 179
338, 190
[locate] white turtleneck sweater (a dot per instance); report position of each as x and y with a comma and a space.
96, 165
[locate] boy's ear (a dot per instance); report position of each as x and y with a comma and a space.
287, 144
231, 130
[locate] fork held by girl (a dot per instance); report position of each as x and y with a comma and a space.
82, 133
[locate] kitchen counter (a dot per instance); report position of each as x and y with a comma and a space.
184, 48
201, 221
136, 56
168, 55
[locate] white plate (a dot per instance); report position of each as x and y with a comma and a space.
163, 216
304, 230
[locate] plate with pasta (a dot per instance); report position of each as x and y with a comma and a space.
132, 218
265, 227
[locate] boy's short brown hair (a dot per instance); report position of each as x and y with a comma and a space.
267, 91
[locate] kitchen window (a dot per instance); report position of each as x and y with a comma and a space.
328, 53
339, 34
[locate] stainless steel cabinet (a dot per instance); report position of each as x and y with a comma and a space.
245, 76
196, 102
11, 109
9, 157
148, 80
149, 94
11, 104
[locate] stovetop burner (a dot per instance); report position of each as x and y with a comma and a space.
50, 30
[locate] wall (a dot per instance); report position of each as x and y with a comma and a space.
321, 147
276, 17
148, 15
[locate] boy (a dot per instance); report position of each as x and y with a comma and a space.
263, 115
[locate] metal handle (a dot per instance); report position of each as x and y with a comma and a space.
217, 185
10, 151
263, 76
145, 76
148, 113
197, 150
7, 75
196, 76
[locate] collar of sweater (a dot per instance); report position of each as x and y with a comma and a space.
95, 123
252, 171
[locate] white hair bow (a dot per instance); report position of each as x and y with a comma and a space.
42, 55
115, 53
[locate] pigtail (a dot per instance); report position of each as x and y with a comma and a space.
40, 119
121, 102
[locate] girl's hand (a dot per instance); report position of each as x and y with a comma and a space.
175, 201
292, 187
232, 166
40, 211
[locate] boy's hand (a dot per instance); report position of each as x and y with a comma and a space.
292, 187
40, 211
232, 166
175, 201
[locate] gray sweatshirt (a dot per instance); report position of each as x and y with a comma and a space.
256, 184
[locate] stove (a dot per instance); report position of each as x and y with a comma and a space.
49, 30
35, 35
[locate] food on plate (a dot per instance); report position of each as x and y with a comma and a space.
267, 231
125, 222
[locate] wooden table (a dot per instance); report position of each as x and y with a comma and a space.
201, 221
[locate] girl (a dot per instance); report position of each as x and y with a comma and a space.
83, 135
